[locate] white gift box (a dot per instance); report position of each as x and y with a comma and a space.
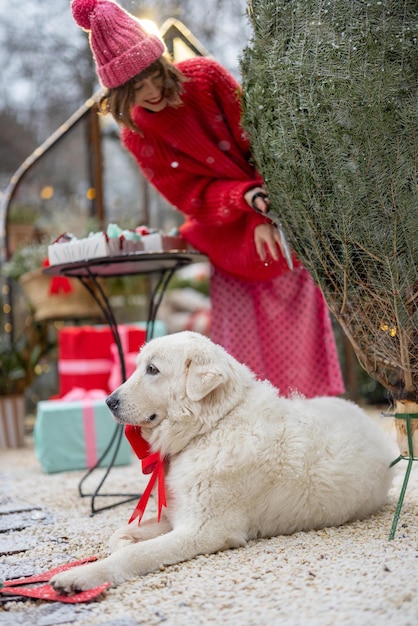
78, 249
94, 246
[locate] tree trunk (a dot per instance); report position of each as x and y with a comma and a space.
401, 424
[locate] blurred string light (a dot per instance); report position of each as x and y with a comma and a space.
7, 328
47, 192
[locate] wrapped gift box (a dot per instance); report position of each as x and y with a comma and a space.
101, 244
73, 434
85, 356
78, 249
115, 378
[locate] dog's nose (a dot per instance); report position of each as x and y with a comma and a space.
112, 402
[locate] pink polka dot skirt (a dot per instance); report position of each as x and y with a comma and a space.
281, 329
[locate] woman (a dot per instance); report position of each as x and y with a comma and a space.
182, 124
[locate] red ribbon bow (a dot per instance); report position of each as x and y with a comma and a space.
58, 283
153, 464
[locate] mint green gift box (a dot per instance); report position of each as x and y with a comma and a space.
73, 435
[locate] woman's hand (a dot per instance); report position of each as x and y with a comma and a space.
257, 199
266, 238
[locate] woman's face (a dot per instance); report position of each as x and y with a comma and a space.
149, 93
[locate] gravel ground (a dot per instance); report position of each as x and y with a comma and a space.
346, 576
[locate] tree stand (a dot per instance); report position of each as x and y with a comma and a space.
407, 455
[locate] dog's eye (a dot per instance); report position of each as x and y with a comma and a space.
152, 370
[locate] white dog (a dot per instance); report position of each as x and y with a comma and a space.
242, 461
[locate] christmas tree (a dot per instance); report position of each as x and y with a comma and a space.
330, 104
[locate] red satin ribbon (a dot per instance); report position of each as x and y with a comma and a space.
58, 283
153, 464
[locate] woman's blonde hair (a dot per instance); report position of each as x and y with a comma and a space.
120, 100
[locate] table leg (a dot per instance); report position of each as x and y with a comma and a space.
411, 458
100, 297
157, 294
102, 300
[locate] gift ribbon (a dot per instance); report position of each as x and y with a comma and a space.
87, 397
58, 283
151, 464
83, 366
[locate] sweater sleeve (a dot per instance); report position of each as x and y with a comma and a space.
210, 201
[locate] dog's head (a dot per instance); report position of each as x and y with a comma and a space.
182, 386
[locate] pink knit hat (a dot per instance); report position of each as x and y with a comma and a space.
121, 47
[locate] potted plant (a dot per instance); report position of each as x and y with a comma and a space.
19, 364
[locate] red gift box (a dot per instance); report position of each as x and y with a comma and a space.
85, 356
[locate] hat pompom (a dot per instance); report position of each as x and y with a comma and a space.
82, 10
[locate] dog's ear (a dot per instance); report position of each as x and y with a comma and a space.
202, 376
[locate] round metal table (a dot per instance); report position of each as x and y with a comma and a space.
163, 266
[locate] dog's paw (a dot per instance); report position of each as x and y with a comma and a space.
81, 578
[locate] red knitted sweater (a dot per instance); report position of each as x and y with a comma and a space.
198, 158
